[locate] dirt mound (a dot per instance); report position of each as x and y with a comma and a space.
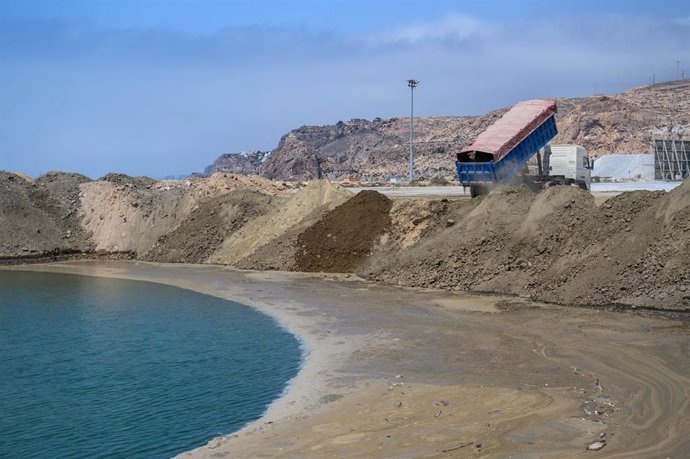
558, 246
124, 179
221, 183
58, 193
41, 217
131, 218
344, 237
126, 214
199, 235
295, 211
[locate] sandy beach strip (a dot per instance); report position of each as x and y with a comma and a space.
392, 372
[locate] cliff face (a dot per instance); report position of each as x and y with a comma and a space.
371, 150
378, 150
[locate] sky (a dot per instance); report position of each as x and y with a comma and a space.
162, 87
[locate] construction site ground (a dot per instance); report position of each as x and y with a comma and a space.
533, 324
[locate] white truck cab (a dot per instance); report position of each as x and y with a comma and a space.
569, 163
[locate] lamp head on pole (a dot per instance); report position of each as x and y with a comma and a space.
412, 83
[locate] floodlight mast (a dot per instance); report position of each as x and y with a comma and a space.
412, 84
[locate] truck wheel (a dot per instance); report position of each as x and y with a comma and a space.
478, 190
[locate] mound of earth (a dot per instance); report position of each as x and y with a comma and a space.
59, 191
289, 214
557, 246
126, 214
130, 217
205, 229
41, 217
220, 183
344, 237
124, 179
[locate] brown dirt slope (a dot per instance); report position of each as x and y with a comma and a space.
130, 214
205, 229
298, 210
131, 217
41, 217
557, 246
344, 237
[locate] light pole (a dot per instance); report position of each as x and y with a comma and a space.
412, 84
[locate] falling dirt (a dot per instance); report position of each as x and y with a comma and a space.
344, 237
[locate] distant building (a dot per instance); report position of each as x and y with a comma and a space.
671, 159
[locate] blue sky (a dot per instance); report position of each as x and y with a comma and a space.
159, 87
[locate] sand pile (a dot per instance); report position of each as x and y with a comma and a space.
130, 214
131, 217
344, 237
124, 179
205, 229
40, 217
60, 193
558, 246
555, 245
289, 215
221, 183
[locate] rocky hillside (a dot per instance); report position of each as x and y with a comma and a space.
377, 150
245, 163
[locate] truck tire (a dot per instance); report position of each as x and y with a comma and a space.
478, 189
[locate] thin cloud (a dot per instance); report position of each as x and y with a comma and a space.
455, 27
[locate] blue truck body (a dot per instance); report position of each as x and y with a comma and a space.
501, 171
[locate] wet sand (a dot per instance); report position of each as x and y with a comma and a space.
394, 372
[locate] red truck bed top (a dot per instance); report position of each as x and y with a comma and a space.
509, 130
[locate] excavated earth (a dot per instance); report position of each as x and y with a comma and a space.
344, 238
557, 245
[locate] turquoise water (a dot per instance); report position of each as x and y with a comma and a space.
96, 368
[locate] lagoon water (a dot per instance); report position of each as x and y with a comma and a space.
95, 367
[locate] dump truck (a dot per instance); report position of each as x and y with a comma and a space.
501, 153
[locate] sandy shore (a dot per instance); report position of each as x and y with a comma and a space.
396, 372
